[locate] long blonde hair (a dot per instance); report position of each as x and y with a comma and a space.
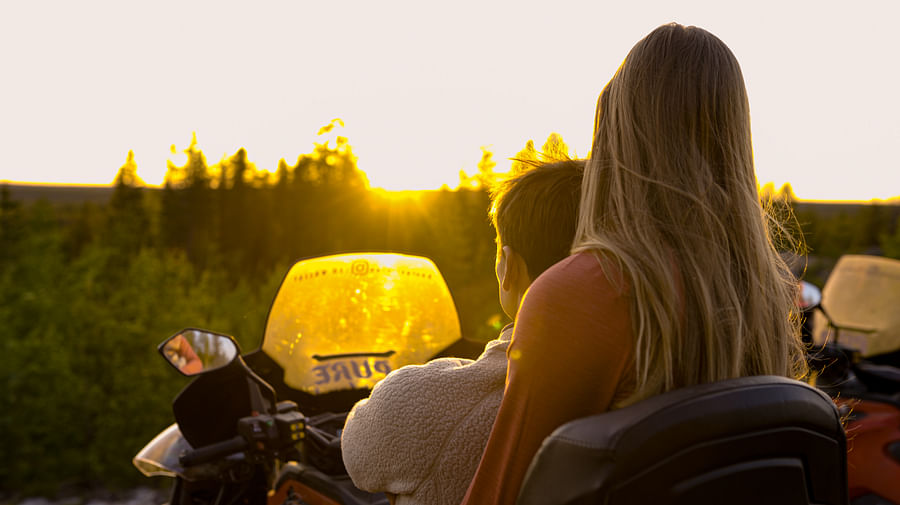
670, 195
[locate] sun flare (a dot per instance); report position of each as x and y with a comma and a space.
398, 195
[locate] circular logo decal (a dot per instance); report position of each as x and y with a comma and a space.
359, 267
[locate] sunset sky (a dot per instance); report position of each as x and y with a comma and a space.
422, 86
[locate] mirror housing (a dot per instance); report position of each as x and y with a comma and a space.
810, 296
193, 351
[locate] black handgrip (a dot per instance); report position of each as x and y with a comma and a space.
213, 451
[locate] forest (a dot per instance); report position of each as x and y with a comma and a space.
88, 289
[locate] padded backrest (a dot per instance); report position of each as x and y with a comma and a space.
754, 440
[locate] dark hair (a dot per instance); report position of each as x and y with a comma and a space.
535, 210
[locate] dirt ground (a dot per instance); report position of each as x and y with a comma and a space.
138, 496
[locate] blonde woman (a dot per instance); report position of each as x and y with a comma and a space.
673, 280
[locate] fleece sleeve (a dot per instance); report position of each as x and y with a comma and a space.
386, 441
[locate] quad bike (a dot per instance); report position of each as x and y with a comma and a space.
853, 330
264, 428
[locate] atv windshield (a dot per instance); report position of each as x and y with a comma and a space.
860, 297
345, 321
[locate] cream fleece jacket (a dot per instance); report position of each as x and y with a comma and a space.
421, 432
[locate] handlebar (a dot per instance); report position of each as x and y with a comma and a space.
323, 438
213, 451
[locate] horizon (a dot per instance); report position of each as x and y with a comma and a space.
876, 201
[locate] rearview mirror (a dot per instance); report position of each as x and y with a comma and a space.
193, 351
810, 296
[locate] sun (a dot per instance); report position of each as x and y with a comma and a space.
400, 195
403, 179
406, 180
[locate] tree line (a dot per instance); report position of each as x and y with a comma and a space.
822, 232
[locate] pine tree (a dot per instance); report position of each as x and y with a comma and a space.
188, 218
12, 226
524, 159
555, 149
128, 223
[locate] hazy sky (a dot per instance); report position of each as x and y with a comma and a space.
422, 86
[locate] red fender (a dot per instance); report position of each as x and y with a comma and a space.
872, 427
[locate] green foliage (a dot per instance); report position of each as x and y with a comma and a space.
890, 241
84, 387
128, 222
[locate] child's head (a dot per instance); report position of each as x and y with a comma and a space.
534, 213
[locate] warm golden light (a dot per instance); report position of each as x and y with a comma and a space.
398, 195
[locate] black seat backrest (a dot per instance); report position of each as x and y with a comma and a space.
754, 440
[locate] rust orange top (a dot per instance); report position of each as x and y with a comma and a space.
571, 355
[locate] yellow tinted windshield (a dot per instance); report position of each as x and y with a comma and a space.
345, 321
860, 296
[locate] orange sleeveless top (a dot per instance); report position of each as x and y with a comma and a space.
571, 356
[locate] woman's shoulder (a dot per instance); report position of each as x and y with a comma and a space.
581, 274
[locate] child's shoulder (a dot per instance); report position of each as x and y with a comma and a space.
418, 375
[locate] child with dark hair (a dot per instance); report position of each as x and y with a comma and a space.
420, 435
